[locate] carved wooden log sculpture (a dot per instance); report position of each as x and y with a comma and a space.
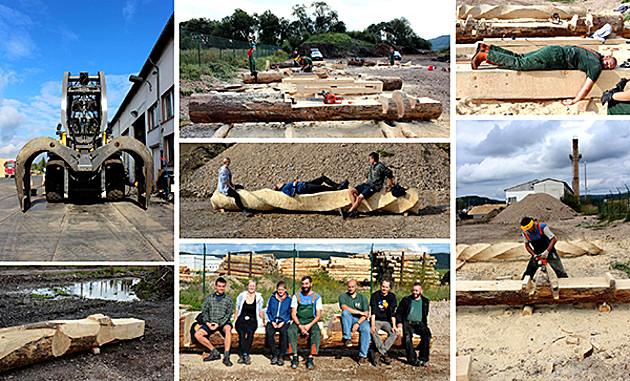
231, 107
515, 251
267, 199
31, 343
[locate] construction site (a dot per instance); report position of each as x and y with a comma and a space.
330, 273
423, 169
86, 323
91, 230
516, 326
526, 26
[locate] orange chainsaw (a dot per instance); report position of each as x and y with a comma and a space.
330, 98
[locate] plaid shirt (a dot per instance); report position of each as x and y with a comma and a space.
215, 311
376, 175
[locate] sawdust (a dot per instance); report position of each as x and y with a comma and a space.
539, 206
467, 106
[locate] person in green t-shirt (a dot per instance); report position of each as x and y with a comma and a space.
411, 317
355, 311
550, 57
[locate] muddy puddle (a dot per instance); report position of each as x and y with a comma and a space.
118, 289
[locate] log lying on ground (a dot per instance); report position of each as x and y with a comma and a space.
515, 251
31, 343
331, 337
492, 83
267, 199
265, 77
515, 292
272, 107
389, 83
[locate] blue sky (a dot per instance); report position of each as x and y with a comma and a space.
39, 40
428, 19
222, 249
498, 154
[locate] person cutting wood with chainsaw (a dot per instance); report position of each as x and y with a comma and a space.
306, 63
550, 57
540, 244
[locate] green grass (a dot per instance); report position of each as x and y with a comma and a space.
193, 72
43, 297
625, 267
337, 39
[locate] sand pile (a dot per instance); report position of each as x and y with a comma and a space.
258, 166
540, 206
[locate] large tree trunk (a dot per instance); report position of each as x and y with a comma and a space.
331, 337
389, 83
264, 77
31, 343
271, 107
516, 292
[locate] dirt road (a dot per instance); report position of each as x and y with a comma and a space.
147, 358
330, 364
99, 231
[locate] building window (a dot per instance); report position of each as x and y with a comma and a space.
167, 104
511, 200
169, 149
152, 117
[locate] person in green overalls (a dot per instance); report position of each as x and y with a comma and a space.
307, 64
550, 57
411, 317
252, 62
391, 56
618, 99
306, 310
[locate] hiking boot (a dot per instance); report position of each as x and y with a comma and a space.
343, 185
481, 55
375, 359
343, 213
274, 360
363, 360
309, 364
347, 342
226, 360
241, 360
280, 360
386, 360
246, 213
295, 362
247, 360
213, 355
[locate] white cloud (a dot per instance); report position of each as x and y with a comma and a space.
130, 8
10, 121
15, 39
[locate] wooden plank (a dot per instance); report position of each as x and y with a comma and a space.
491, 83
463, 368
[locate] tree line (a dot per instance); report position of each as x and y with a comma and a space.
318, 18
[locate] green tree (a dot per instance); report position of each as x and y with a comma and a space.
269, 28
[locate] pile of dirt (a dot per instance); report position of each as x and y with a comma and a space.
357, 48
258, 166
540, 206
193, 156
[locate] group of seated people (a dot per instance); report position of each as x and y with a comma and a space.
374, 180
298, 315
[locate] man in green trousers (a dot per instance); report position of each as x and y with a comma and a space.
550, 57
306, 310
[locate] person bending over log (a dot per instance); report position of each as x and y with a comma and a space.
278, 319
306, 63
227, 187
320, 184
618, 99
373, 183
306, 311
247, 317
355, 311
540, 243
411, 316
215, 317
550, 57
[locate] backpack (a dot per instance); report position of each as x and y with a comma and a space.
398, 191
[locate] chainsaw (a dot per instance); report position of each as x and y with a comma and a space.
330, 98
553, 279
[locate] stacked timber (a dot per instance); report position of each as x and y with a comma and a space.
248, 265
340, 268
404, 265
303, 266
308, 85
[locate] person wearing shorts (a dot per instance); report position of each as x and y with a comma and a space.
373, 183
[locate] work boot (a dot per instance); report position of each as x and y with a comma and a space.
343, 185
375, 358
226, 359
246, 213
280, 360
386, 360
274, 360
481, 55
309, 364
343, 213
295, 362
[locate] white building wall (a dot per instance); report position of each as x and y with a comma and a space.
519, 195
195, 262
551, 188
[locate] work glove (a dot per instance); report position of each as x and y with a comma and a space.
621, 85
544, 254
608, 96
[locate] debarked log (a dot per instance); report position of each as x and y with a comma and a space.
32, 343
229, 107
268, 199
265, 77
516, 292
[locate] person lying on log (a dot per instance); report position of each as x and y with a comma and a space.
550, 57
618, 99
215, 317
373, 183
227, 187
540, 243
355, 312
411, 317
320, 184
